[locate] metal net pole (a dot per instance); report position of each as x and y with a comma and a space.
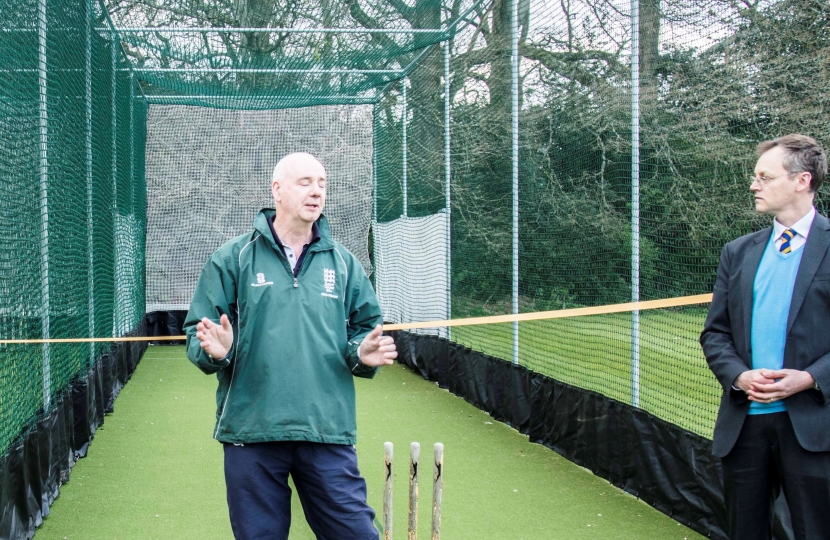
43, 124
448, 178
374, 166
635, 201
114, 164
89, 184
375, 247
132, 141
514, 25
403, 146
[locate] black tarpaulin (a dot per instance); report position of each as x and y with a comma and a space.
166, 323
671, 469
40, 460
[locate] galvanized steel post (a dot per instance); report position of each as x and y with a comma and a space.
448, 180
403, 146
635, 201
43, 125
90, 188
514, 20
114, 163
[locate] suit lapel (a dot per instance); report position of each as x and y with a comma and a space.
750, 267
814, 251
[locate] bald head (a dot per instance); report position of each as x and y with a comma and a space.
298, 163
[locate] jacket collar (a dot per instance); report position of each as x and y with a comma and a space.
814, 252
262, 226
315, 233
815, 249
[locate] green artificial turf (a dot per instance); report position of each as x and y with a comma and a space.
154, 472
595, 353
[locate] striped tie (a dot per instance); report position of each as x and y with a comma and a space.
787, 236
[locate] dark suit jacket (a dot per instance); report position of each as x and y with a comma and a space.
727, 346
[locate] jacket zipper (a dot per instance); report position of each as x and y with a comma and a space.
303, 267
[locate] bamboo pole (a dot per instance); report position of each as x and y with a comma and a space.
472, 321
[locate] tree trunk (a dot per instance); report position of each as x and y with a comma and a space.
649, 52
426, 128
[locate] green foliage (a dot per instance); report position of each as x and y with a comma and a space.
704, 107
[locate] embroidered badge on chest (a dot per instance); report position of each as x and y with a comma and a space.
260, 281
329, 282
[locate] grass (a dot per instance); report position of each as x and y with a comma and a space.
595, 353
154, 472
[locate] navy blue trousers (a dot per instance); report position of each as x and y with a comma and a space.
331, 490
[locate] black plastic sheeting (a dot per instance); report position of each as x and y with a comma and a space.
669, 468
166, 323
34, 467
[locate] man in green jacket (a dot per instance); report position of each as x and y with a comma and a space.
285, 317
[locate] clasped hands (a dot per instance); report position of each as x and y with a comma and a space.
767, 385
217, 339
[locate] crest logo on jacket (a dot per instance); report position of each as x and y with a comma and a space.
329, 281
260, 281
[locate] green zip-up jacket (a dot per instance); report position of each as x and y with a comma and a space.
288, 376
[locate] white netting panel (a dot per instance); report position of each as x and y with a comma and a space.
411, 262
209, 173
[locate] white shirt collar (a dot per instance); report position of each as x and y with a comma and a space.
802, 226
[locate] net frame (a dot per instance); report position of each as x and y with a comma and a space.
419, 58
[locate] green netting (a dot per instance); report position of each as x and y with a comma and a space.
72, 203
714, 80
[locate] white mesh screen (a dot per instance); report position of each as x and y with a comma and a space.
209, 173
411, 263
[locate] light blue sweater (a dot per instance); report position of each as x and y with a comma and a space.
772, 294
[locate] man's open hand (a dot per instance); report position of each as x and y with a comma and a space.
215, 339
376, 349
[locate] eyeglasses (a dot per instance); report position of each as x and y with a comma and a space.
763, 179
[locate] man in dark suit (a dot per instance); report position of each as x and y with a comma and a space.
767, 340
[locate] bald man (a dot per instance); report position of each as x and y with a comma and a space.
286, 317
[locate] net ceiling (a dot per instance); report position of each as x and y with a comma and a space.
255, 54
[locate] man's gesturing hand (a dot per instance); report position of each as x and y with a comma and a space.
377, 350
215, 339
